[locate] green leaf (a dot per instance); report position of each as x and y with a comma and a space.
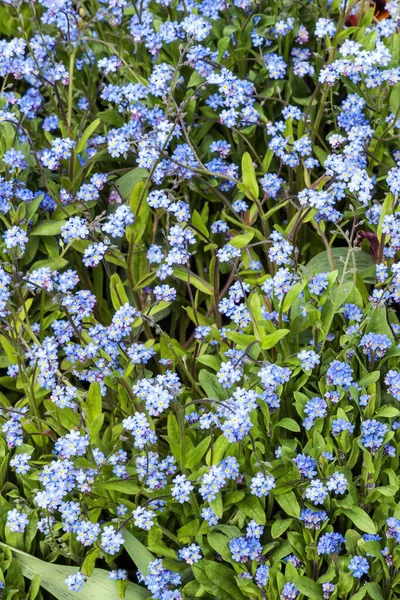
288, 423
217, 505
280, 526
360, 519
209, 360
220, 543
365, 263
292, 295
141, 210
34, 588
52, 578
157, 545
308, 587
112, 117
224, 576
270, 340
53, 265
251, 506
289, 504
239, 338
135, 197
93, 402
123, 486
48, 228
373, 548
394, 99
360, 594
196, 454
31, 207
320, 154
375, 591
198, 223
195, 80
250, 185
223, 45
81, 145
249, 588
211, 586
369, 379
127, 182
240, 241
90, 561
212, 386
189, 530
388, 411
138, 552
117, 290
199, 283
387, 209
9, 349
379, 322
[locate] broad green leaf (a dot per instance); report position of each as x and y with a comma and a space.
249, 588
193, 279
34, 588
360, 519
239, 338
209, 360
198, 223
280, 526
156, 544
9, 349
375, 591
117, 290
288, 503
220, 543
93, 401
270, 340
189, 530
288, 423
308, 587
292, 295
251, 506
378, 322
224, 576
373, 548
210, 584
90, 561
194, 455
81, 145
387, 209
127, 182
388, 411
360, 594
31, 207
138, 552
250, 185
52, 578
365, 263
240, 241
370, 379
48, 228
123, 486
223, 45
217, 505
212, 386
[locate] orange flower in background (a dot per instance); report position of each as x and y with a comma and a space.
380, 12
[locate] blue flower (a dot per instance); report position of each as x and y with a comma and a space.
359, 566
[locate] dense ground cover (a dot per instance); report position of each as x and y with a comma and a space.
199, 290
